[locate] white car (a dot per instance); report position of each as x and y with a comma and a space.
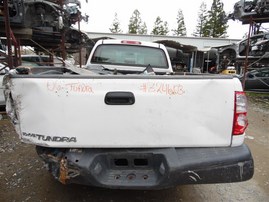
134, 128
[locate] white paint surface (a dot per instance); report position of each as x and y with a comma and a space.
197, 114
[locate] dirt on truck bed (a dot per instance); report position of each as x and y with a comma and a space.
23, 176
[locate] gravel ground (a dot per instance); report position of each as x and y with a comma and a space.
23, 176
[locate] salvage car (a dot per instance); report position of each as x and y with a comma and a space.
45, 21
132, 129
3, 71
257, 80
257, 10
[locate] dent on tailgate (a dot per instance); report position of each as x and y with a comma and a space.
165, 112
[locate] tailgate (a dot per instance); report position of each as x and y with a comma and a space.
129, 112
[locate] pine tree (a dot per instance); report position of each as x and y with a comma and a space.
202, 17
115, 27
143, 29
181, 28
216, 23
135, 24
160, 27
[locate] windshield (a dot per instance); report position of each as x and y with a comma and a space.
130, 55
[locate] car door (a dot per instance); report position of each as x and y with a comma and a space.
258, 80
263, 77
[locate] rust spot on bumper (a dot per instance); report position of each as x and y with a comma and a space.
63, 171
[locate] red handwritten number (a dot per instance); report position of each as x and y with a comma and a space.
161, 88
144, 87
152, 88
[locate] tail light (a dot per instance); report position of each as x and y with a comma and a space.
240, 113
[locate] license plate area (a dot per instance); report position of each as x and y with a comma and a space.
124, 169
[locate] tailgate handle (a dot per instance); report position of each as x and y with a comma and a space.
119, 98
